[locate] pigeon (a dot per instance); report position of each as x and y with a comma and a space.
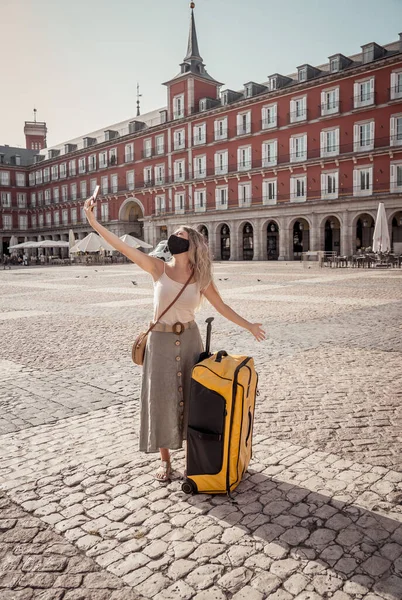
85, 276
220, 279
258, 279
226, 278
134, 282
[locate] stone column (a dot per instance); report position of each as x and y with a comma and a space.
347, 235
314, 234
283, 239
212, 242
235, 241
257, 240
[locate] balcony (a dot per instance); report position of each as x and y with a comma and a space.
148, 153
221, 135
269, 123
298, 116
199, 140
395, 92
363, 100
244, 130
330, 108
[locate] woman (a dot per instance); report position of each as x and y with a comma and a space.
171, 352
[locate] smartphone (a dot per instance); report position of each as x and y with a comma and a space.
95, 194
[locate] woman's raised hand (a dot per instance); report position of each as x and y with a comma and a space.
257, 332
89, 209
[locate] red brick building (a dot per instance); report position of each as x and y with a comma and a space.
295, 164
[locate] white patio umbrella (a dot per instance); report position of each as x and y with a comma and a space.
134, 242
91, 243
71, 239
51, 244
23, 245
381, 240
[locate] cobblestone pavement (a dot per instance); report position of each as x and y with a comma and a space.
319, 515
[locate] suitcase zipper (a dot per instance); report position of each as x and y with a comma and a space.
234, 393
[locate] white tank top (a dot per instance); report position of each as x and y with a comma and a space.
183, 310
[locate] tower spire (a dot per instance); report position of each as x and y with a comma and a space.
193, 52
138, 100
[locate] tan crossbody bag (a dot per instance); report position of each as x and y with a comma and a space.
138, 349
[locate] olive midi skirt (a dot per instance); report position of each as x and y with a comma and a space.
166, 379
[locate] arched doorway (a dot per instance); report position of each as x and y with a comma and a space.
301, 238
272, 241
204, 230
248, 242
364, 232
396, 233
132, 212
332, 232
225, 242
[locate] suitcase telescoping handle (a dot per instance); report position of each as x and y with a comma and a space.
220, 354
208, 340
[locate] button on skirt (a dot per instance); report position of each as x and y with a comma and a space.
166, 379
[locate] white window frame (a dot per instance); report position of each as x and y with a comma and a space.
64, 216
370, 126
22, 222
269, 153
244, 194
358, 101
270, 191
200, 200
46, 175
199, 134
129, 153
34, 221
20, 180
269, 116
130, 180
295, 195
104, 185
180, 203
73, 191
221, 192
160, 204
91, 163
113, 157
200, 166
81, 165
64, 193
33, 199
148, 176
330, 107
294, 103
7, 222
295, 154
393, 130
48, 219
323, 142
160, 144
159, 174
83, 190
55, 173
179, 170
179, 139
105, 211
396, 85
221, 162
103, 160
147, 148
21, 200
4, 178
56, 195
393, 176
244, 158
6, 199
178, 107
63, 170
56, 217
92, 185
74, 215
31, 178
72, 168
114, 183
48, 197
357, 191
244, 123
221, 129
41, 220
325, 193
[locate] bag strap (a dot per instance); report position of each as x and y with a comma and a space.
171, 304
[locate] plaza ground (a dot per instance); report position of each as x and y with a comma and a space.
319, 514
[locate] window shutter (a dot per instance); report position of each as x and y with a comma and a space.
372, 83
392, 128
393, 177
249, 157
248, 121
292, 148
304, 103
356, 88
336, 182
337, 132
217, 197
322, 142
292, 107
292, 188
372, 129
239, 123
225, 161
356, 136
323, 102
274, 112
216, 162
356, 186
323, 184
264, 150
239, 156
216, 129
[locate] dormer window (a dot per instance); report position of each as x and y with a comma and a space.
368, 54
273, 82
249, 91
225, 98
303, 74
334, 65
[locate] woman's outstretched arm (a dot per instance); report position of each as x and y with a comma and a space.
212, 295
151, 265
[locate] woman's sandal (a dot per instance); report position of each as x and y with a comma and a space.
164, 472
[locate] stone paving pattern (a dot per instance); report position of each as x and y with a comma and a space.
319, 515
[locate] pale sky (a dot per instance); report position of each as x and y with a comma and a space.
78, 61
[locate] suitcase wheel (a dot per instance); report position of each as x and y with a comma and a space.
188, 487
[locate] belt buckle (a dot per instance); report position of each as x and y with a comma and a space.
176, 326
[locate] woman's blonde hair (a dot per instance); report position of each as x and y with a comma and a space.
199, 256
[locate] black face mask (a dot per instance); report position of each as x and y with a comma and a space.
178, 245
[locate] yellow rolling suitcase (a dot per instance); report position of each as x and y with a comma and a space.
220, 425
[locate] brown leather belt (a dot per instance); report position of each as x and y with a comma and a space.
177, 328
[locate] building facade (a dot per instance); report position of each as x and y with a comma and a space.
296, 164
